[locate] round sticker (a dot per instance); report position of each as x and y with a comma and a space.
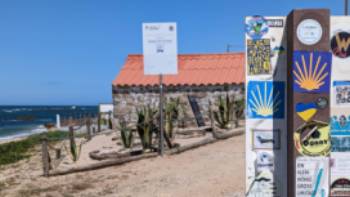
340, 44
256, 27
340, 187
313, 139
309, 32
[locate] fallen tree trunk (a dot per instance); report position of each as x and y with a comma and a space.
181, 149
226, 135
96, 155
103, 164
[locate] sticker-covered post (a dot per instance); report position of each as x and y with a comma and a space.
309, 68
266, 135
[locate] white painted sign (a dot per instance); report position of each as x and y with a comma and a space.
159, 48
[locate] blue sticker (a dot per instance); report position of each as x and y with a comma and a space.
340, 143
311, 71
265, 99
340, 125
256, 27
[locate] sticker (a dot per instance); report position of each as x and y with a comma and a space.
342, 92
264, 162
340, 44
311, 177
309, 32
340, 188
311, 71
266, 139
275, 22
341, 143
306, 111
263, 183
340, 125
313, 139
340, 174
256, 27
278, 50
265, 99
259, 57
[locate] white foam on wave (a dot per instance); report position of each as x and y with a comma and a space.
36, 130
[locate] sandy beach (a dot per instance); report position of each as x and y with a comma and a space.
212, 170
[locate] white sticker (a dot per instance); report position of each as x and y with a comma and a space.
309, 32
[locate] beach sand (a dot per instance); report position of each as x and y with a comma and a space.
212, 170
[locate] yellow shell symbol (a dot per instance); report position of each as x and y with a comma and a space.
265, 102
310, 77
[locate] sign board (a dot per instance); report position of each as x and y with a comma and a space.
159, 48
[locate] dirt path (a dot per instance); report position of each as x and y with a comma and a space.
212, 170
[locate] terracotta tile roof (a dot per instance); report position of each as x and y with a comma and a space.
194, 69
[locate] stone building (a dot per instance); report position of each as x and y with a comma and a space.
200, 78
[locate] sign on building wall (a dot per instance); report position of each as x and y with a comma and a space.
159, 48
266, 136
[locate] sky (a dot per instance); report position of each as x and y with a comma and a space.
64, 52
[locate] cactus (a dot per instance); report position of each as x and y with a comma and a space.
238, 110
223, 116
126, 134
146, 126
171, 115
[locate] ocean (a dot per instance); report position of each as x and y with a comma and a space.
20, 121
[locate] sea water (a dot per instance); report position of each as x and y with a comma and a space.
20, 121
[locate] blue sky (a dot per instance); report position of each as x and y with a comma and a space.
69, 51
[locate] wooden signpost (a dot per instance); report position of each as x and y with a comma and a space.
160, 58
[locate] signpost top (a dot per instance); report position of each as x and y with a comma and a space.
159, 48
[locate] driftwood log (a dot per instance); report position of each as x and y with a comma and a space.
96, 155
103, 164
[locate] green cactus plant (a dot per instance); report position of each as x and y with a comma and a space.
224, 115
146, 126
171, 115
126, 134
238, 110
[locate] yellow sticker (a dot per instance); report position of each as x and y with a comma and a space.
313, 139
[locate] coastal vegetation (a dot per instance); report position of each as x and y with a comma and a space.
12, 152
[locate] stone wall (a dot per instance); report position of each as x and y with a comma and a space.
127, 100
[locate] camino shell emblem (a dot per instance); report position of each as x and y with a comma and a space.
311, 71
265, 99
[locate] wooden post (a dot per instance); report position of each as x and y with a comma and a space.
110, 123
98, 122
45, 156
308, 40
161, 139
72, 143
212, 122
58, 153
88, 128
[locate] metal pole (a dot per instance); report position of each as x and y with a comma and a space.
346, 5
161, 139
